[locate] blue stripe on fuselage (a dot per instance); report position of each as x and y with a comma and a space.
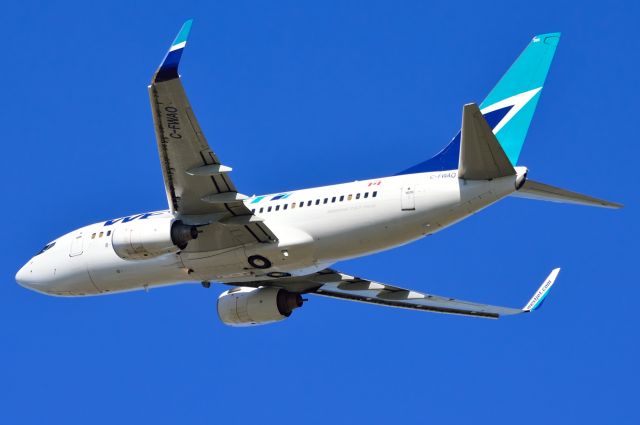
447, 158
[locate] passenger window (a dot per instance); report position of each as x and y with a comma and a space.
293, 205
93, 236
342, 198
101, 234
374, 194
366, 195
349, 197
269, 209
326, 200
358, 196
109, 233
309, 203
333, 199
261, 209
317, 201
253, 211
285, 206
277, 207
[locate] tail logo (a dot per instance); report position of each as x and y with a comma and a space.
514, 103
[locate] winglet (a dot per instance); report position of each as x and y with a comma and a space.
536, 301
168, 69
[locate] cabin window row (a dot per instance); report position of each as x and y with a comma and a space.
302, 204
101, 234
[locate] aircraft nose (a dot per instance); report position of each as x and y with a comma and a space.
33, 276
41, 276
23, 277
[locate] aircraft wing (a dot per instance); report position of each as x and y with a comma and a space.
334, 284
198, 186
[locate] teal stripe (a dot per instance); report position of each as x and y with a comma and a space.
184, 32
537, 304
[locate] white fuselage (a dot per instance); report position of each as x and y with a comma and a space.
318, 227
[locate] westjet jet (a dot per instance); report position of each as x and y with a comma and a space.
274, 249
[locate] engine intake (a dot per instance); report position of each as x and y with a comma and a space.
243, 306
142, 239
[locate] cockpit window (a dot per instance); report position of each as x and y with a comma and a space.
46, 248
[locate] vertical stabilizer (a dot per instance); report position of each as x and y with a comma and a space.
509, 107
512, 102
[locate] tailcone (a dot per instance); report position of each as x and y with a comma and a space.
521, 176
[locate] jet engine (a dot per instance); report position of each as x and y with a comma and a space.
244, 306
142, 239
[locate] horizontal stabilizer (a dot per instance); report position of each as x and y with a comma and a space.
481, 156
544, 192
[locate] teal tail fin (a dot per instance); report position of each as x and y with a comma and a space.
509, 107
516, 94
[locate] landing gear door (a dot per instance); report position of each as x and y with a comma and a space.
76, 245
408, 198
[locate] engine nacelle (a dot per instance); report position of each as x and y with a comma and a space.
244, 306
142, 239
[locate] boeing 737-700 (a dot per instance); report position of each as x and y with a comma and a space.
274, 249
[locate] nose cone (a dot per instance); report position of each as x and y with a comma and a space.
34, 276
24, 277
42, 274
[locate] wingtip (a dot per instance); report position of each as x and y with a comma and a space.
538, 298
183, 35
168, 69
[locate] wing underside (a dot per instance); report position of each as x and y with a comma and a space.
334, 284
198, 186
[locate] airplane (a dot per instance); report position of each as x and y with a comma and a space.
277, 248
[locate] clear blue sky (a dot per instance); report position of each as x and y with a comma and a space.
295, 94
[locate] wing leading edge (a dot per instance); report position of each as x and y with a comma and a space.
197, 184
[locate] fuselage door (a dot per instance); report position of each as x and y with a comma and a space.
76, 245
408, 199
